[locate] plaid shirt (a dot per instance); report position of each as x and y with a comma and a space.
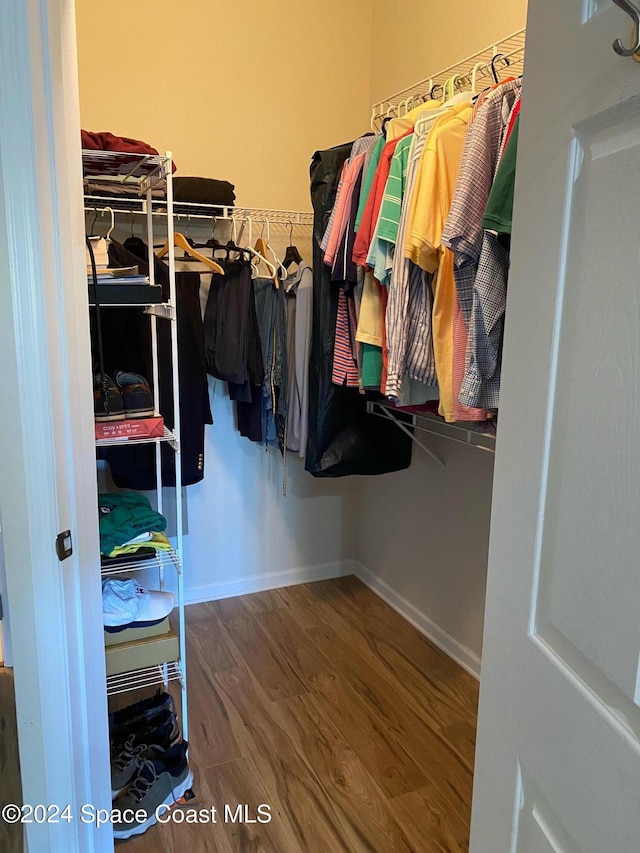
481, 384
463, 231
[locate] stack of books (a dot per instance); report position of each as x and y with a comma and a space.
119, 275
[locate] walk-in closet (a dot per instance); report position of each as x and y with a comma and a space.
344, 556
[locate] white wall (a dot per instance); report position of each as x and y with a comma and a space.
423, 537
245, 535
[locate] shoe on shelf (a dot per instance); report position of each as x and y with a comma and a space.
107, 399
145, 711
158, 782
144, 742
136, 394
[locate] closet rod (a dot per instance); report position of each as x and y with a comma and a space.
136, 206
511, 47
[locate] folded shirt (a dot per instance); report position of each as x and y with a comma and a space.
124, 515
157, 542
142, 553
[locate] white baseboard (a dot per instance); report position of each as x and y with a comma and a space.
270, 580
461, 654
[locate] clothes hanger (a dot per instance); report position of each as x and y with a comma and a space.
257, 255
112, 223
181, 242
493, 66
93, 224
282, 272
292, 255
474, 76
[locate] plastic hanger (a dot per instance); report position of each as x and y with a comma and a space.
181, 242
292, 255
112, 223
255, 254
474, 76
282, 273
493, 66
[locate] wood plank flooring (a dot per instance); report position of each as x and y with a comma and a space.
321, 701
10, 787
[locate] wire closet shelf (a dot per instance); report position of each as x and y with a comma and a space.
507, 55
190, 210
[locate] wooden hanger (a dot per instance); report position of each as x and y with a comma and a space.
181, 242
261, 249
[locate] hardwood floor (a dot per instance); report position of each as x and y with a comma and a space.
10, 788
322, 702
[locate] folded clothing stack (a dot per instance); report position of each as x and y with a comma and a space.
124, 518
203, 191
149, 763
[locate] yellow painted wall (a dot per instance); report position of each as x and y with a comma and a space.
243, 91
248, 91
413, 39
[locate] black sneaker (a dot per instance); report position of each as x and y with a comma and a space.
158, 782
142, 744
107, 399
143, 711
136, 393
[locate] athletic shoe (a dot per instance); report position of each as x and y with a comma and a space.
107, 399
143, 711
137, 396
158, 782
143, 743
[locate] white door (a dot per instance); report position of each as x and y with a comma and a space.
558, 763
47, 481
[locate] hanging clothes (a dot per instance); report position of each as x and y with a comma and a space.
299, 300
232, 343
343, 439
272, 324
481, 384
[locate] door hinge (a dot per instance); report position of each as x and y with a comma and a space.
1, 613
64, 545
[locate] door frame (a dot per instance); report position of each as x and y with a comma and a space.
47, 481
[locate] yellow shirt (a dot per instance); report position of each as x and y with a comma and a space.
430, 207
398, 126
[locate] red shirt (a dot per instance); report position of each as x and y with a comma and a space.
374, 202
